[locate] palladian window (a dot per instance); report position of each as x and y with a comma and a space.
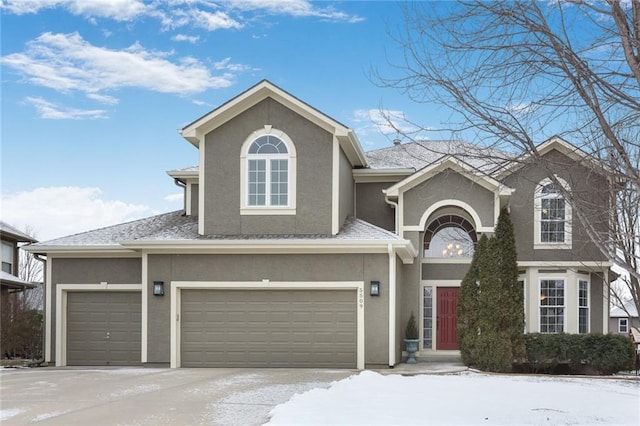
268, 172
449, 236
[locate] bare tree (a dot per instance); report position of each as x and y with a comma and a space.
519, 72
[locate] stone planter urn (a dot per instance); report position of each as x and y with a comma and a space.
411, 339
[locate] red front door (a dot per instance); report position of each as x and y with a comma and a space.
446, 316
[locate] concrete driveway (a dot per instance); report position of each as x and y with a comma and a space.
146, 396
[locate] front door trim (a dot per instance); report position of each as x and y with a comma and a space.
433, 284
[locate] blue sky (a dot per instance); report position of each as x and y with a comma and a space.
94, 92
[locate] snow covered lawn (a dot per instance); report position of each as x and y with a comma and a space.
468, 398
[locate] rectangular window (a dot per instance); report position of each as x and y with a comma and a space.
623, 325
7, 258
427, 340
521, 283
257, 182
552, 306
583, 306
552, 220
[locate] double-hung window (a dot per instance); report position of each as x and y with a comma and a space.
623, 325
268, 177
552, 304
7, 258
583, 306
552, 216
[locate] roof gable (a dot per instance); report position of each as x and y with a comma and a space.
448, 163
558, 144
195, 131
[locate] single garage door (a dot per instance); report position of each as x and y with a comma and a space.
268, 328
103, 328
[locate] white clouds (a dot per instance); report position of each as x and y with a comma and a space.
183, 37
213, 21
387, 122
174, 198
66, 62
52, 111
179, 13
119, 10
58, 211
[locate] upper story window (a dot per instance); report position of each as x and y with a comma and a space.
7, 258
449, 236
268, 173
552, 216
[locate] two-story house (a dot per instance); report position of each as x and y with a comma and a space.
297, 249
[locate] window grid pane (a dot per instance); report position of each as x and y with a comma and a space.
279, 182
427, 340
552, 218
552, 306
257, 182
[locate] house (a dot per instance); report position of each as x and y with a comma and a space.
295, 248
623, 319
12, 287
9, 280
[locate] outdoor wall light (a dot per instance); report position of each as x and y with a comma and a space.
158, 288
375, 288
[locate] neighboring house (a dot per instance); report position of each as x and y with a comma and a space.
297, 249
623, 319
9, 280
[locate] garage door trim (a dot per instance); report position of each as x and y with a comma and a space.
178, 286
61, 311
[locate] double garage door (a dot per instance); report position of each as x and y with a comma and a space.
268, 328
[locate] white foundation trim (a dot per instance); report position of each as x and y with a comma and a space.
178, 286
61, 311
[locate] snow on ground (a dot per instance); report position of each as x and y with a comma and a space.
466, 398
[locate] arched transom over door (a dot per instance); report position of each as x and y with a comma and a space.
449, 236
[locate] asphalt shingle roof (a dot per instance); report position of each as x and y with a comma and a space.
174, 226
420, 154
18, 234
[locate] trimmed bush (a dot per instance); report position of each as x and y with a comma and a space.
576, 353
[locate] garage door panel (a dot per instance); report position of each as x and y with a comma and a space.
268, 328
103, 328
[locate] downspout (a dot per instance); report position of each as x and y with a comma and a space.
38, 257
394, 205
182, 184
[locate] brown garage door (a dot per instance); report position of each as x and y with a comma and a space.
270, 328
103, 328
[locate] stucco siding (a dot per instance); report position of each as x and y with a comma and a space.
444, 271
444, 186
194, 199
371, 206
222, 174
596, 303
590, 190
287, 268
90, 271
346, 189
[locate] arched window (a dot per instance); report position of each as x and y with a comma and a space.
552, 216
449, 236
268, 173
268, 167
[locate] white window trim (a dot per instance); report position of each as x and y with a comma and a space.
12, 252
588, 281
538, 244
245, 208
522, 278
626, 320
564, 302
